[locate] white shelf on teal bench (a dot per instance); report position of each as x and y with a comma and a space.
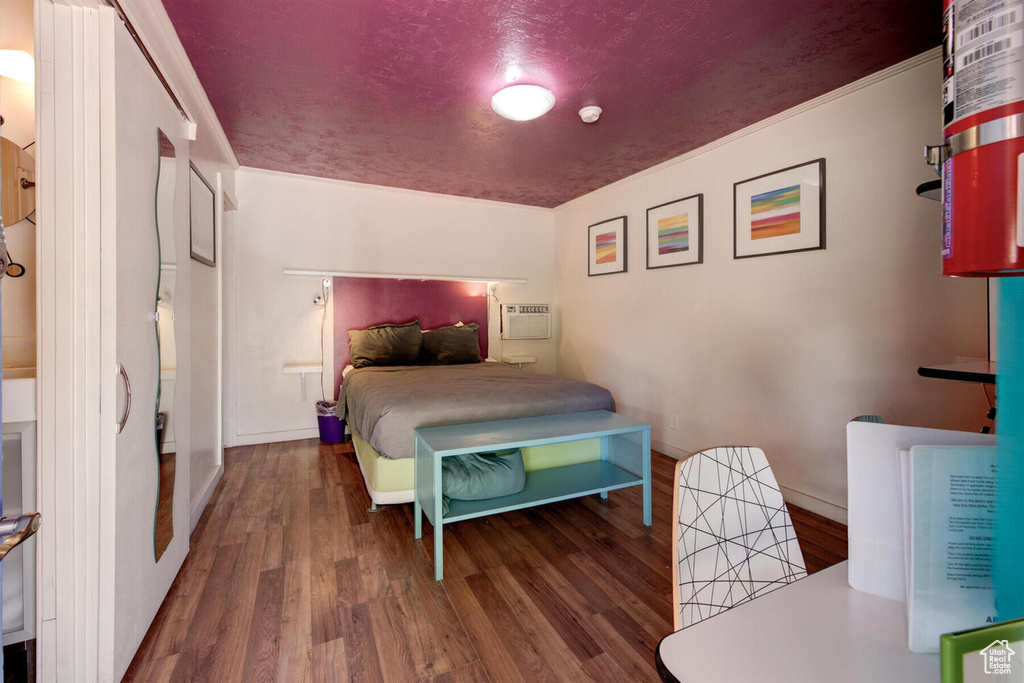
625, 461
549, 486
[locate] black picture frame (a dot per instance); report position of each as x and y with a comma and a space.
202, 218
621, 240
700, 231
820, 162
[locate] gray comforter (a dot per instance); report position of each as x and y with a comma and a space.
384, 404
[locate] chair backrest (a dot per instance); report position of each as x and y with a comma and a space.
733, 540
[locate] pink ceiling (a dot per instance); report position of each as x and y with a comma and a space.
397, 92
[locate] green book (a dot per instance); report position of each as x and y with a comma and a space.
990, 653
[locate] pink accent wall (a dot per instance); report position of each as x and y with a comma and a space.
363, 302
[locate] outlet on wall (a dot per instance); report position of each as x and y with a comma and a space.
673, 422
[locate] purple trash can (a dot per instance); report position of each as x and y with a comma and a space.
332, 430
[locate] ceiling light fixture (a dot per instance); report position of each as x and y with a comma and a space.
523, 102
17, 64
590, 113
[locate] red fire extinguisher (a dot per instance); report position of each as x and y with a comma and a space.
982, 156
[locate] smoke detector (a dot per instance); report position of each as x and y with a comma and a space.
590, 113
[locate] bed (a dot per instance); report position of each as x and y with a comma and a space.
383, 405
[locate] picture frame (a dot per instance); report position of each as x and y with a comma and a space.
781, 212
675, 233
202, 218
606, 248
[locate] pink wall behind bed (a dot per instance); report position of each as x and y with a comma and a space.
363, 302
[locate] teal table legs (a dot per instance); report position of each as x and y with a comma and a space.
417, 515
438, 552
647, 476
417, 507
604, 456
438, 523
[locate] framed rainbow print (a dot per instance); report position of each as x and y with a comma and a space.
780, 212
675, 233
607, 247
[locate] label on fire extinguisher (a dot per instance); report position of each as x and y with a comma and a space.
948, 80
983, 51
947, 209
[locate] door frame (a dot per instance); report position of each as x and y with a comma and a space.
74, 396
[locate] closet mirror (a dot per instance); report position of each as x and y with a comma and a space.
165, 448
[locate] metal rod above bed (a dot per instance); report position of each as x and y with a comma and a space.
399, 276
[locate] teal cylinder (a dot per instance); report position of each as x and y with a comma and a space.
1008, 549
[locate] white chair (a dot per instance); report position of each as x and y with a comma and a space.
734, 540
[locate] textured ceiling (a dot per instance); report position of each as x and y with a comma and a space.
397, 92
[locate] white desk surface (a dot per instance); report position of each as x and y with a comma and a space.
816, 629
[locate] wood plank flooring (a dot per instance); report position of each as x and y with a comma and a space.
290, 578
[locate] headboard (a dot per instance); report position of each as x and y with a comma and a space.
361, 302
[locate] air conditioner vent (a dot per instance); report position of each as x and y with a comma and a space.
525, 321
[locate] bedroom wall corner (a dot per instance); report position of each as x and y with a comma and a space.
781, 351
300, 222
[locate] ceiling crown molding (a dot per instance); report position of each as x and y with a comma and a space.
877, 77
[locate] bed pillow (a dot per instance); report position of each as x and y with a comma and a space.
478, 476
452, 345
385, 345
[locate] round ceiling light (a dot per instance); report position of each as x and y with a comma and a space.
523, 102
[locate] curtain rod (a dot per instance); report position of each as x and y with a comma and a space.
399, 276
149, 57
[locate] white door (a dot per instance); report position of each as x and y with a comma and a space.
142, 109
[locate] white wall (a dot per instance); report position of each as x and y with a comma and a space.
290, 221
781, 351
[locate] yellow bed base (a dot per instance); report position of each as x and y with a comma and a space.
390, 481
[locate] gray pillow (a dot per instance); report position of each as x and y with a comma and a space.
385, 345
452, 345
477, 476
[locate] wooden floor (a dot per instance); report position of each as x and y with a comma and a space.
289, 578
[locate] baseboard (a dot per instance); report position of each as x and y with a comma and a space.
198, 510
669, 450
275, 437
836, 513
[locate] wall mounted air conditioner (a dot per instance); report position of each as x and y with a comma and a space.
525, 321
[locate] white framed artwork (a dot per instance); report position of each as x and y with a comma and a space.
675, 233
780, 212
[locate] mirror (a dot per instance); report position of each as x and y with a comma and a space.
18, 175
165, 448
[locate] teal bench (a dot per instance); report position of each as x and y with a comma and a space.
625, 461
